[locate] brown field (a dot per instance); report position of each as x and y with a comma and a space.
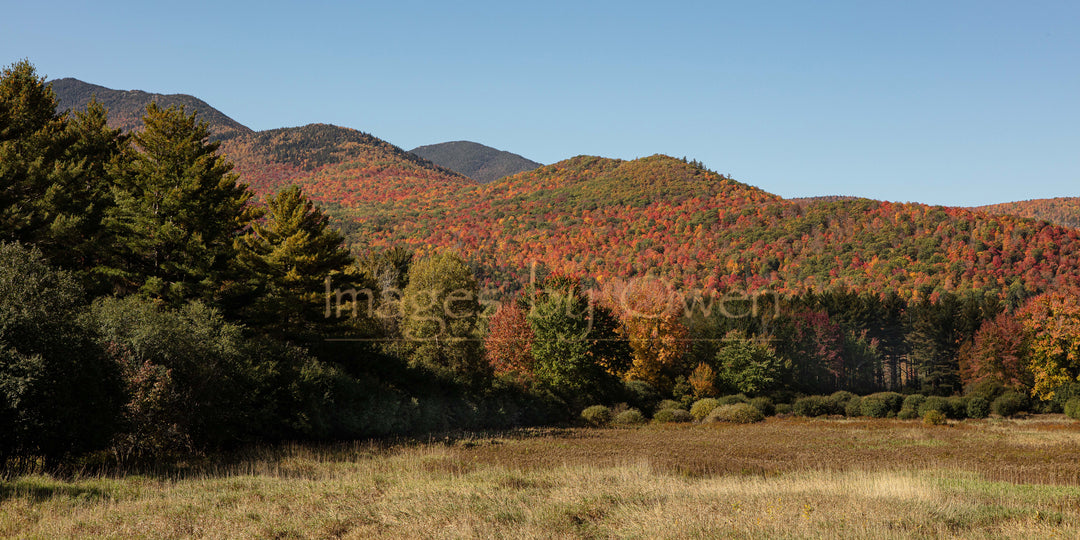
783, 478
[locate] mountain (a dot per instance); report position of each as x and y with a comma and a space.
126, 107
271, 159
599, 218
482, 163
1063, 211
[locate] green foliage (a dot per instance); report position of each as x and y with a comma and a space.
763, 404
218, 389
640, 395
287, 256
59, 394
748, 366
1010, 404
1072, 408
178, 211
667, 404
667, 416
910, 409
978, 407
702, 407
597, 415
570, 349
881, 404
783, 408
811, 406
935, 403
440, 310
853, 407
733, 398
934, 418
737, 413
958, 406
628, 417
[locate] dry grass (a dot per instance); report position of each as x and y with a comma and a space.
778, 479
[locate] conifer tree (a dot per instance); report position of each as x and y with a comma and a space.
290, 253
179, 211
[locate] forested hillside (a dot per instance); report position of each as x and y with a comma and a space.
1064, 211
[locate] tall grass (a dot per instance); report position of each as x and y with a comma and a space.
559, 484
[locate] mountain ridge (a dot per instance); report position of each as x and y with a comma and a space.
482, 163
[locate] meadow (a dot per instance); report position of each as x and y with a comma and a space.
782, 478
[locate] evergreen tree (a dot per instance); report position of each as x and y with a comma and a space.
179, 211
290, 254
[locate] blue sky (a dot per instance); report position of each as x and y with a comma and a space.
958, 103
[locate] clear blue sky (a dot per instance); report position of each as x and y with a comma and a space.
942, 102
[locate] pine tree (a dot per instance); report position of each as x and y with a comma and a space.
179, 211
290, 254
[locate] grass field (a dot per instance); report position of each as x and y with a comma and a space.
783, 478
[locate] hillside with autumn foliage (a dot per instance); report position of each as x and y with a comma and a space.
598, 218
1064, 211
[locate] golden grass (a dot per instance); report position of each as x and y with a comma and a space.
778, 479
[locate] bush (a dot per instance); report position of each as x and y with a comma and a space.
910, 408
597, 415
935, 403
667, 404
840, 400
986, 389
628, 417
733, 399
934, 418
811, 406
737, 413
978, 407
881, 404
957, 408
667, 416
702, 407
641, 395
60, 394
783, 408
764, 404
1072, 408
853, 407
1009, 404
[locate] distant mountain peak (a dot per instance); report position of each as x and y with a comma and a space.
126, 107
477, 161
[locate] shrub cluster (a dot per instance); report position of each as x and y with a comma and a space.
597, 415
881, 404
702, 407
628, 417
667, 416
1010, 403
737, 413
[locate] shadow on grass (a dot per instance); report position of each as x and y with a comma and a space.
42, 489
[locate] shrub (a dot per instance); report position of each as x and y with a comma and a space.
909, 410
811, 406
764, 404
737, 413
978, 407
988, 389
1009, 404
934, 418
667, 404
840, 400
672, 415
783, 408
702, 407
628, 417
597, 415
935, 403
733, 399
641, 395
1072, 408
881, 404
957, 408
853, 407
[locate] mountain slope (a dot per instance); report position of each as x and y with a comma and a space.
474, 160
126, 107
1063, 211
